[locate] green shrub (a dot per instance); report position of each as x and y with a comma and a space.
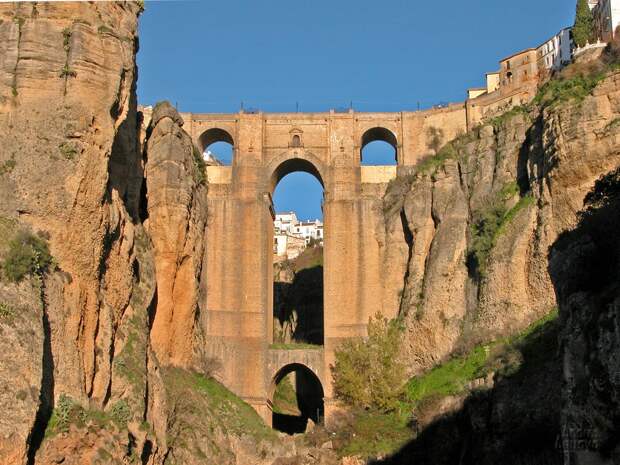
6, 311
200, 168
490, 223
369, 372
66, 412
8, 165
66, 38
121, 413
432, 163
499, 121
66, 71
67, 150
27, 255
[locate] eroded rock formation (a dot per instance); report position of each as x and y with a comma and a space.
535, 168
96, 353
177, 215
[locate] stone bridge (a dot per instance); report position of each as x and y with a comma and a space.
239, 256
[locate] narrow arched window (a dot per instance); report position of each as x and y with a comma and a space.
296, 142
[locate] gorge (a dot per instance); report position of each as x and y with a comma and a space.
136, 318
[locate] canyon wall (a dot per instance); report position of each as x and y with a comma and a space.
479, 218
101, 357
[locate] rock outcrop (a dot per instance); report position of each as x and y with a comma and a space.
483, 213
177, 216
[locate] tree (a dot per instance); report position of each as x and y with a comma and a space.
370, 372
583, 30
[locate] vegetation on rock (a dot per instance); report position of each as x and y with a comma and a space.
200, 168
369, 372
27, 255
8, 166
489, 223
372, 433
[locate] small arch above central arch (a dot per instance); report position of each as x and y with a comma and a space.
380, 134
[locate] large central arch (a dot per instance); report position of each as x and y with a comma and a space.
311, 318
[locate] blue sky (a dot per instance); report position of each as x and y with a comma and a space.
209, 56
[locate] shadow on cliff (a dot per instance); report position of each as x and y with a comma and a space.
301, 302
584, 265
516, 422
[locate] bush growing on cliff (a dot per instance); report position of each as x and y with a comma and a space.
200, 167
27, 255
489, 224
369, 372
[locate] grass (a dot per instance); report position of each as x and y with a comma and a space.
432, 163
285, 398
130, 362
243, 418
69, 412
449, 378
197, 394
372, 433
311, 257
294, 346
575, 88
500, 120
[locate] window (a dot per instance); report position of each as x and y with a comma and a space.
296, 142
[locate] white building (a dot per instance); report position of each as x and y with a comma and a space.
292, 236
556, 52
285, 222
310, 230
606, 18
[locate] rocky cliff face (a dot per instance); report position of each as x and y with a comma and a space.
70, 160
585, 267
177, 215
477, 220
95, 355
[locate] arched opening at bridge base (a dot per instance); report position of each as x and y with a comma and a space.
378, 147
217, 146
296, 399
298, 240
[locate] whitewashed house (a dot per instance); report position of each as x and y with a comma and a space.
556, 52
